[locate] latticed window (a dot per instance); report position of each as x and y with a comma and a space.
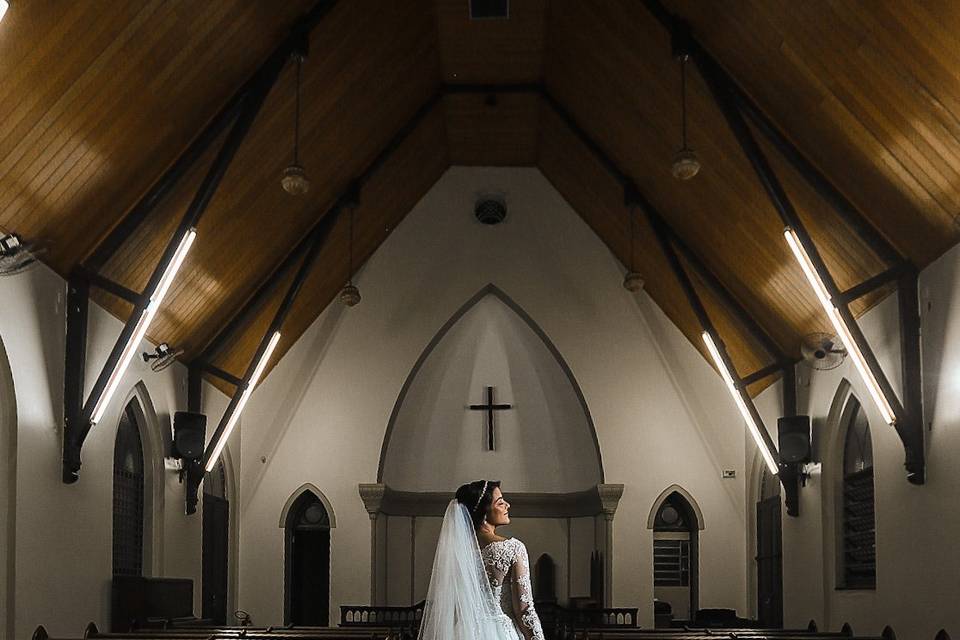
671, 563
858, 544
128, 498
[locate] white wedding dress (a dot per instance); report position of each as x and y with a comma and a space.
474, 594
508, 569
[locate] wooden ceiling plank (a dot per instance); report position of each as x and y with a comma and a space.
633, 196
690, 202
389, 195
66, 105
348, 198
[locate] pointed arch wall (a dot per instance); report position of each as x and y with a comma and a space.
312, 488
488, 290
675, 488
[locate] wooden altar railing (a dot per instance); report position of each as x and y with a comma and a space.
395, 617
567, 621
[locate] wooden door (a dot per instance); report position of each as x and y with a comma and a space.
216, 539
769, 563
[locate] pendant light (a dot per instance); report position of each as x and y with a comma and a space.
294, 178
632, 281
685, 162
350, 295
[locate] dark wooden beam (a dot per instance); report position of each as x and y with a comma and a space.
721, 87
912, 433
201, 143
75, 363
760, 374
892, 274
686, 284
817, 180
633, 196
350, 197
111, 287
220, 373
252, 103
317, 240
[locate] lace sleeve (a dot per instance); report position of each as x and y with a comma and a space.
523, 595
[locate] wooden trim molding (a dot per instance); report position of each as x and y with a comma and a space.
601, 499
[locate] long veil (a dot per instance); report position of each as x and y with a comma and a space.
460, 603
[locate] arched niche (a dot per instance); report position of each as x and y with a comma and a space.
545, 443
8, 494
292, 500
675, 488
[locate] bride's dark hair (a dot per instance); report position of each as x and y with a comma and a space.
477, 500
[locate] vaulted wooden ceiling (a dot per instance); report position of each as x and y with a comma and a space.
98, 100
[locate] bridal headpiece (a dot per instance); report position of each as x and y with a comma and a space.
482, 493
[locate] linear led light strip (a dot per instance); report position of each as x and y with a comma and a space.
840, 326
146, 317
238, 408
741, 403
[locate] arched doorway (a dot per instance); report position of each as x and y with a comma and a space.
769, 553
216, 544
307, 562
676, 556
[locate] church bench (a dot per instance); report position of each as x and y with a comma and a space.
235, 633
704, 634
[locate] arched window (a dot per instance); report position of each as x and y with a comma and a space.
675, 562
216, 541
307, 562
128, 499
857, 544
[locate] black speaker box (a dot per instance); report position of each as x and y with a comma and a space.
794, 438
189, 435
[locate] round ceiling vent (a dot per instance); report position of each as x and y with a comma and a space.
490, 210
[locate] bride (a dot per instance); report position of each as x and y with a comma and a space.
480, 586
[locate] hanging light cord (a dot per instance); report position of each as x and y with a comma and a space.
296, 119
683, 98
633, 217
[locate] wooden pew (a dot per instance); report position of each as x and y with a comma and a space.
237, 633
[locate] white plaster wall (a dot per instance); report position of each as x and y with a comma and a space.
544, 443
661, 413
918, 560
63, 532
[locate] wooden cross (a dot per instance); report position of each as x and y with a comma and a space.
490, 407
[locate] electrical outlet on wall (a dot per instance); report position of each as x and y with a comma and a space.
728, 473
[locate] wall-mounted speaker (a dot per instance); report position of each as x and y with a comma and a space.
189, 435
794, 438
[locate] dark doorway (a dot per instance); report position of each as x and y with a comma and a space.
307, 593
216, 545
769, 554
